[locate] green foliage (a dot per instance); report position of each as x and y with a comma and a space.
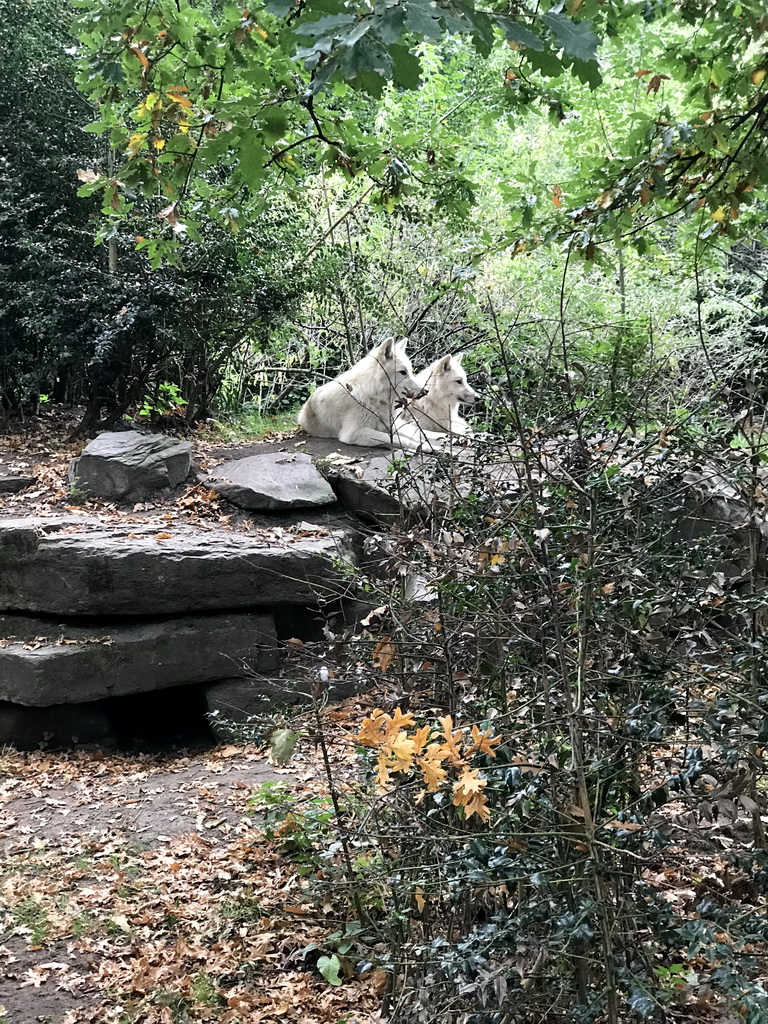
202, 104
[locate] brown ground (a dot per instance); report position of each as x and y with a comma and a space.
138, 888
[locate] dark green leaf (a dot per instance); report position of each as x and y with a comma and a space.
576, 38
406, 67
323, 26
420, 17
518, 33
391, 24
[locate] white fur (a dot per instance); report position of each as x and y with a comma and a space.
360, 405
446, 386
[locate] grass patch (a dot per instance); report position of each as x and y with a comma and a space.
32, 917
251, 424
246, 909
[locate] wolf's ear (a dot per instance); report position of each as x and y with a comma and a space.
387, 349
444, 365
459, 357
402, 344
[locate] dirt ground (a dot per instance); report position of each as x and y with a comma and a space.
140, 888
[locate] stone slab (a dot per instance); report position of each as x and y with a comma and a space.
44, 662
14, 484
75, 566
130, 466
278, 480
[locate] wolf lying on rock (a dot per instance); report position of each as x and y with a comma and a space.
443, 387
379, 401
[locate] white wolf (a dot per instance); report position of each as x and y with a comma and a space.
443, 387
360, 405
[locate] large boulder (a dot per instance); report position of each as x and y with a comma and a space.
79, 566
277, 480
44, 663
129, 466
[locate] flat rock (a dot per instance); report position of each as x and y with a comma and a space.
278, 480
130, 466
14, 484
415, 486
44, 663
364, 486
78, 566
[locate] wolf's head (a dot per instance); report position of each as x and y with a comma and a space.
390, 355
448, 381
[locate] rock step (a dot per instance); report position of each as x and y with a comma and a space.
277, 480
44, 663
14, 484
77, 566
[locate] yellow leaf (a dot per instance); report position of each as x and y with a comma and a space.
183, 125
183, 101
158, 143
261, 32
150, 101
478, 805
758, 75
137, 52
373, 729
433, 772
383, 653
468, 793
719, 215
400, 721
419, 898
421, 737
482, 742
382, 775
469, 782
557, 194
401, 750
135, 143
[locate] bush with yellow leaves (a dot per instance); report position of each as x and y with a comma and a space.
437, 752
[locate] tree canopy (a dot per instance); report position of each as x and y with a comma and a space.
208, 105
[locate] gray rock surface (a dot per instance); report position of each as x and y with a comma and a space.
278, 480
79, 566
44, 663
27, 728
129, 466
364, 486
14, 484
412, 487
231, 702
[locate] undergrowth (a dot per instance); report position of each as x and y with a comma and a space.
563, 812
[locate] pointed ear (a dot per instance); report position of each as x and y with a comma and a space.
387, 349
402, 344
459, 357
445, 364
